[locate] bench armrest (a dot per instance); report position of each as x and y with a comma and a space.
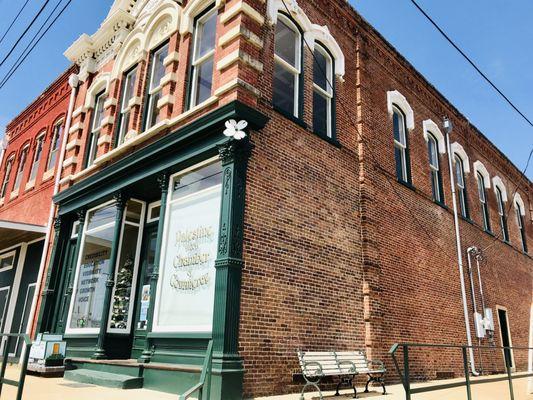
317, 372
353, 370
377, 363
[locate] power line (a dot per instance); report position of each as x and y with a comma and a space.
25, 31
13, 70
14, 20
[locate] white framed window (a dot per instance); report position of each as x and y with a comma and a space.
323, 93
401, 150
483, 201
521, 225
7, 174
7, 260
96, 125
287, 66
434, 168
203, 58
75, 229
37, 156
54, 145
154, 210
461, 186
21, 166
501, 213
157, 71
128, 92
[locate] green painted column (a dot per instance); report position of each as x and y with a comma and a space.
121, 201
163, 185
227, 364
61, 326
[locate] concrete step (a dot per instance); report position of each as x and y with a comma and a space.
106, 379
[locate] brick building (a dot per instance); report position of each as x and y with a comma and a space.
317, 223
28, 167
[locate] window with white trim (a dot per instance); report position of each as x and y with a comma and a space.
521, 226
155, 91
461, 186
501, 213
54, 145
128, 92
434, 167
37, 157
203, 58
287, 66
7, 173
483, 201
401, 149
7, 260
20, 170
323, 92
96, 125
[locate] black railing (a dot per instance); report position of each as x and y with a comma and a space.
405, 376
5, 358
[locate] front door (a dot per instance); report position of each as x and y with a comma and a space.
143, 292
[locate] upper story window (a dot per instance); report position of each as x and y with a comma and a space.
323, 92
434, 166
483, 201
461, 186
7, 173
521, 225
501, 212
96, 124
128, 92
287, 67
20, 169
203, 58
401, 147
37, 157
157, 71
54, 145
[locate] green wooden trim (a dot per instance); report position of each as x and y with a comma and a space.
177, 335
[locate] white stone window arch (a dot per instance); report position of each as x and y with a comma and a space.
100, 84
192, 10
458, 150
480, 168
396, 99
519, 204
431, 128
498, 184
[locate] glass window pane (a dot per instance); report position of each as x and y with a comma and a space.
158, 68
204, 81
129, 87
20, 171
36, 159
134, 211
399, 127
433, 155
54, 146
101, 216
399, 155
7, 262
153, 116
206, 31
459, 173
481, 188
284, 87
321, 71
198, 180
286, 47
320, 114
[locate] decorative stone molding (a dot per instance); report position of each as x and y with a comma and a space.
431, 127
165, 100
237, 31
73, 144
498, 184
29, 185
237, 55
104, 139
14, 194
395, 98
110, 102
244, 8
170, 77
48, 174
78, 126
101, 83
134, 101
132, 133
70, 161
78, 111
479, 167
172, 57
191, 10
233, 84
517, 200
108, 120
460, 151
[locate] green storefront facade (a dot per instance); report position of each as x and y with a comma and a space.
147, 258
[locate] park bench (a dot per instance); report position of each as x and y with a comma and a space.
345, 365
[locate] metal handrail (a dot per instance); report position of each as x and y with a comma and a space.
204, 385
5, 356
405, 380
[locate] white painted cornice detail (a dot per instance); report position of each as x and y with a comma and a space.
192, 9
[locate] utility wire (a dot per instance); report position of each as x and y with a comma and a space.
24, 33
23, 54
14, 20
10, 74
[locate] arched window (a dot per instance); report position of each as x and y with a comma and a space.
461, 186
203, 58
434, 167
155, 91
57, 133
401, 146
483, 201
287, 67
521, 225
501, 212
37, 156
96, 124
7, 173
20, 170
128, 92
323, 92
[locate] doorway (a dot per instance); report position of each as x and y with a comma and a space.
505, 335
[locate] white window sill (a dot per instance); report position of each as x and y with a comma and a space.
48, 174
2, 201
14, 194
29, 185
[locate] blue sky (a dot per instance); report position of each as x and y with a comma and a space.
496, 37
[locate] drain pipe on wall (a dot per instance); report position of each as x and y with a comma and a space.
73, 81
448, 129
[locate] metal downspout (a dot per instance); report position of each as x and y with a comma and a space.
448, 129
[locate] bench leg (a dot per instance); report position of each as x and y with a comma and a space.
315, 385
377, 379
349, 383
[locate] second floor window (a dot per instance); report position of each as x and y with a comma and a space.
20, 169
203, 59
287, 67
521, 226
157, 71
483, 202
323, 93
128, 92
434, 167
7, 173
37, 157
96, 124
401, 150
461, 186
501, 212
54, 145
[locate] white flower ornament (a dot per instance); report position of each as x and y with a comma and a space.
235, 129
